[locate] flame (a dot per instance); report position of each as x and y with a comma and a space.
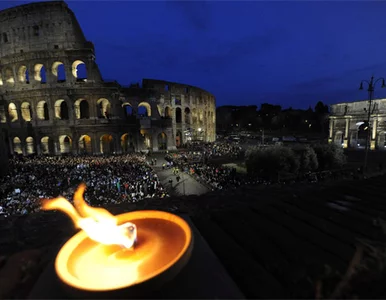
99, 225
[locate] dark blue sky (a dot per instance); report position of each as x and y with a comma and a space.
292, 53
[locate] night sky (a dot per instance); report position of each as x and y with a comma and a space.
288, 53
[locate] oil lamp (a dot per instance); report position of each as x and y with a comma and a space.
128, 255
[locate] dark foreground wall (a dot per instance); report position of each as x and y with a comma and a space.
4, 155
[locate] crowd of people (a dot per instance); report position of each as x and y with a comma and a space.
217, 149
115, 179
214, 177
123, 178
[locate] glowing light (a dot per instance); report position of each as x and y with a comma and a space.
98, 223
109, 254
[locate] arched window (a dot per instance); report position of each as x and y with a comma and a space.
85, 146
144, 109
61, 110
187, 115
58, 71
82, 109
17, 146
104, 108
65, 144
30, 147
23, 74
127, 109
26, 111
79, 70
178, 115
107, 144
168, 113
162, 141
12, 112
40, 73
42, 111
45, 145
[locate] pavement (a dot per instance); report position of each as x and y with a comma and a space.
187, 185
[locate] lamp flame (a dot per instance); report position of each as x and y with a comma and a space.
99, 224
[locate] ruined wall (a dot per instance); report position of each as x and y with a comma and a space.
192, 109
39, 27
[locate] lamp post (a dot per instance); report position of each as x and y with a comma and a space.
371, 85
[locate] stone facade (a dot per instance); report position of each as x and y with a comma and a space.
349, 128
53, 99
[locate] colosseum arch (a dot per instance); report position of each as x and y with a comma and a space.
40, 73
178, 139
42, 111
187, 115
45, 145
127, 108
104, 108
16, 144
168, 112
85, 146
12, 112
23, 74
3, 115
58, 71
159, 108
30, 145
146, 139
194, 115
146, 106
200, 115
9, 76
65, 144
61, 110
79, 70
107, 144
82, 109
178, 115
127, 143
26, 112
162, 141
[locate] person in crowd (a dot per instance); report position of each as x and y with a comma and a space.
114, 180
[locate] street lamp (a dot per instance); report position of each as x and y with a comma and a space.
370, 90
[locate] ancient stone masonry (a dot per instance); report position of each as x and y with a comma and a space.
53, 99
349, 126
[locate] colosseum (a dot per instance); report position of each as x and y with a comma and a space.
54, 100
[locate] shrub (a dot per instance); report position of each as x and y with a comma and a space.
268, 162
330, 156
307, 158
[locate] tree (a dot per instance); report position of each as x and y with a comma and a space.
330, 156
268, 162
307, 158
321, 111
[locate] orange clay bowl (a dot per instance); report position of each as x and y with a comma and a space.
89, 269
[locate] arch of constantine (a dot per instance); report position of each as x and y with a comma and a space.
349, 127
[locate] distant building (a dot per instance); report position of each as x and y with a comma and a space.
230, 117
